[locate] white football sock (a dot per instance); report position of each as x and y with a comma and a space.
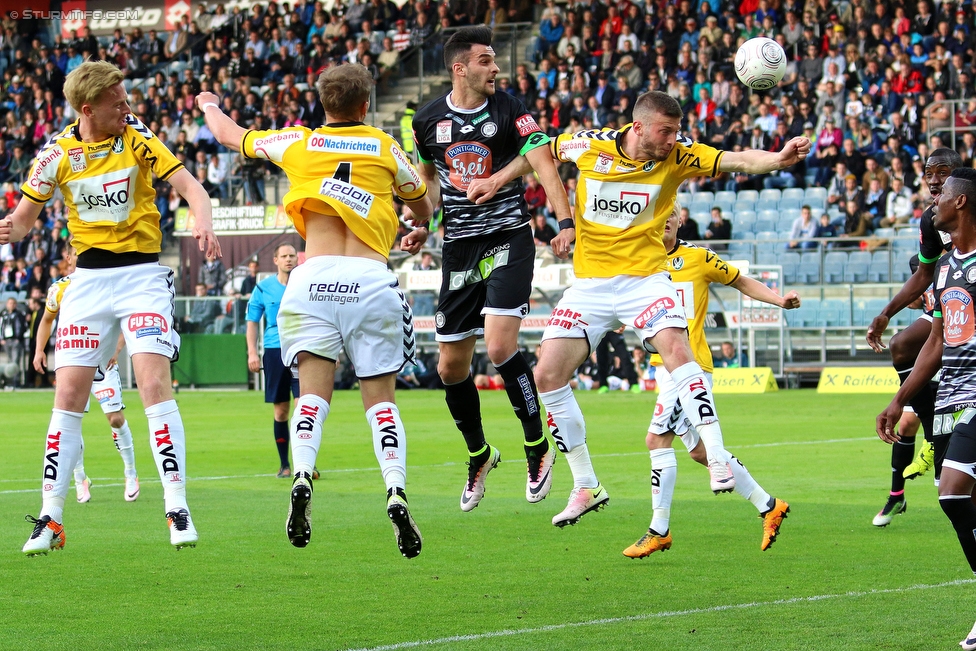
565, 419
122, 437
579, 463
747, 487
699, 407
664, 475
306, 431
167, 440
79, 473
389, 443
61, 452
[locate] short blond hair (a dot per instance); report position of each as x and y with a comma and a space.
344, 88
86, 83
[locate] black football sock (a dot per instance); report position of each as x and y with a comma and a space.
465, 406
281, 441
520, 387
962, 514
902, 453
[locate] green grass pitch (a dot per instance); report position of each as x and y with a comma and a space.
500, 577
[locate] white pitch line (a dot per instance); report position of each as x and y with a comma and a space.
432, 465
658, 615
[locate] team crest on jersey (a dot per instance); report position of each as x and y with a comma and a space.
489, 129
443, 132
76, 156
118, 145
957, 316
648, 166
677, 263
466, 162
971, 275
603, 163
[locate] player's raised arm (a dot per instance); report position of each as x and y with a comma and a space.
191, 190
912, 289
429, 174
928, 363
754, 161
760, 292
15, 226
225, 130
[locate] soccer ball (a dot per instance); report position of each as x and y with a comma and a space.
760, 63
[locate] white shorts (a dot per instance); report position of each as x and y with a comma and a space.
139, 299
669, 416
335, 302
107, 391
593, 306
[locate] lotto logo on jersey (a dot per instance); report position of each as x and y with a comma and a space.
147, 324
654, 312
526, 125
467, 161
957, 316
620, 205
104, 395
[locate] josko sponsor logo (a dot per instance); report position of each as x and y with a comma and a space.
467, 161
147, 324
106, 197
359, 201
957, 316
343, 144
620, 205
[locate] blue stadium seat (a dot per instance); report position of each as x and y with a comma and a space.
765, 225
742, 234
815, 193
767, 204
747, 195
766, 235
771, 194
743, 206
766, 257
790, 204
793, 193
703, 197
834, 264
857, 267
878, 272
742, 216
790, 261
726, 207
886, 233
740, 250
727, 196
684, 198
808, 272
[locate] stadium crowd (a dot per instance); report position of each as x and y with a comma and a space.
864, 82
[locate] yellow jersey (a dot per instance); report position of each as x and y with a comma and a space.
350, 170
107, 186
622, 204
693, 269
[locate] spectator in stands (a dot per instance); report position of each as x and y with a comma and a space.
857, 222
13, 328
719, 229
687, 227
250, 280
38, 279
804, 228
203, 312
875, 202
899, 206
213, 276
542, 232
728, 357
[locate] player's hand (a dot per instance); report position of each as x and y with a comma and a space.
791, 301
875, 330
886, 422
6, 230
207, 240
112, 363
413, 241
253, 362
563, 242
40, 362
795, 151
207, 98
481, 190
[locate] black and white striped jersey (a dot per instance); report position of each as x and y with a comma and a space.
469, 144
955, 287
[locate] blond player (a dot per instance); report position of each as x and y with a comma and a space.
692, 270
103, 164
343, 177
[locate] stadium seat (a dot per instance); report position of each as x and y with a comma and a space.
834, 264
789, 204
771, 194
743, 234
684, 198
725, 195
740, 250
816, 193
744, 206
857, 267
703, 196
836, 311
725, 206
747, 195
902, 244
790, 261
808, 272
767, 204
793, 193
886, 233
766, 257
702, 217
765, 225
743, 216
878, 272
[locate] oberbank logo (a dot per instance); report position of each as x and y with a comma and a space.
620, 205
344, 144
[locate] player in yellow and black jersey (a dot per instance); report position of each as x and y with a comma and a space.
103, 164
693, 269
343, 178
